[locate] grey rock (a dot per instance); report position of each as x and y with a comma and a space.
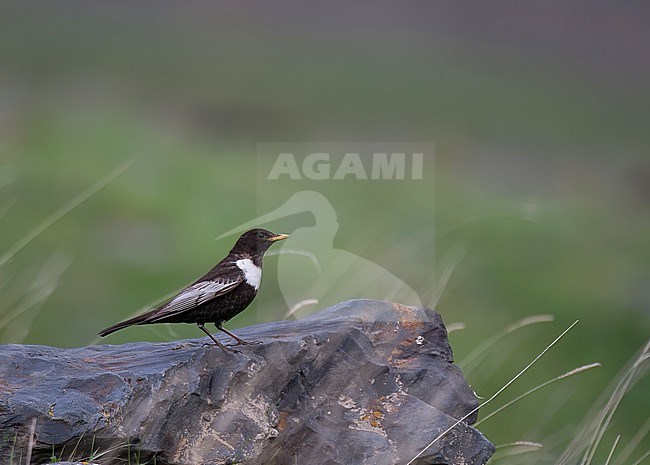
363, 382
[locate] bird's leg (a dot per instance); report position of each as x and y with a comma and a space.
205, 330
232, 335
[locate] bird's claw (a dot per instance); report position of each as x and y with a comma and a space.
225, 348
244, 343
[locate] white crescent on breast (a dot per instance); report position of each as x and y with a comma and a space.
252, 272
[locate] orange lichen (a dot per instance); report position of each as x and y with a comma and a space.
282, 422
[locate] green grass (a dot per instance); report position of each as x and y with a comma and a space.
89, 453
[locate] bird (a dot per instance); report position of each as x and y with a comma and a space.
220, 294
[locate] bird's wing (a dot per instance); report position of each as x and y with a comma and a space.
196, 294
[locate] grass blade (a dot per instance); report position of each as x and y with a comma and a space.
64, 210
496, 394
642, 458
299, 305
595, 422
453, 327
483, 348
634, 442
453, 259
43, 286
516, 448
30, 444
612, 405
611, 452
575, 371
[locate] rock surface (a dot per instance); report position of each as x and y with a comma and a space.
363, 382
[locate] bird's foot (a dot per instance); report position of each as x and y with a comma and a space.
239, 340
232, 350
227, 348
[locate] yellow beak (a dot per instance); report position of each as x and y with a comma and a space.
279, 237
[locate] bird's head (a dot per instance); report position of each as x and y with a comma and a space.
256, 242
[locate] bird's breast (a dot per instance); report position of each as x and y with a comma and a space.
252, 272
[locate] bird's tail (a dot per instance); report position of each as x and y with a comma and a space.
124, 324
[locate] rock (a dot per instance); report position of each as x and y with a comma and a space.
72, 463
363, 382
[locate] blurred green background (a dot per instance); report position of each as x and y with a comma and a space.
539, 113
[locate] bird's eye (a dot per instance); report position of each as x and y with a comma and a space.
260, 235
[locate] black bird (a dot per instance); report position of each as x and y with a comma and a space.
220, 294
